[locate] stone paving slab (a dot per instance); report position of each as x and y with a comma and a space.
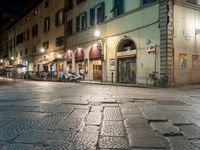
50, 121
17, 108
94, 118
136, 123
140, 132
179, 143
145, 142
153, 116
34, 136
130, 110
112, 113
190, 131
165, 128
90, 128
4, 121
176, 119
71, 123
16, 146
86, 140
196, 143
59, 145
112, 128
61, 135
113, 143
79, 113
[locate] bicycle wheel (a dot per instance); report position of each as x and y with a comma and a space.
150, 81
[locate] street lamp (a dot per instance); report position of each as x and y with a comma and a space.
42, 50
1, 61
97, 33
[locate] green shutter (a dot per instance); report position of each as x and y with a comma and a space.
120, 6
78, 24
103, 11
92, 16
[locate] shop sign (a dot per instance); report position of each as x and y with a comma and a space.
112, 64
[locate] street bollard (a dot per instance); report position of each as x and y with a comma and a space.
112, 77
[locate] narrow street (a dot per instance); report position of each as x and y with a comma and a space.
66, 116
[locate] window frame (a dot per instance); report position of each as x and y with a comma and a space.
47, 24
94, 14
59, 22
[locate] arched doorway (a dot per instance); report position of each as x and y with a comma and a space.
79, 60
95, 62
126, 61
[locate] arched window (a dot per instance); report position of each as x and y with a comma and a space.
126, 45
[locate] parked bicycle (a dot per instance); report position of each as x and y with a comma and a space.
152, 79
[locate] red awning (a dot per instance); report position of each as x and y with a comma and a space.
95, 53
68, 56
79, 55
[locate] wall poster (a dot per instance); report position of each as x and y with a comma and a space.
182, 61
195, 62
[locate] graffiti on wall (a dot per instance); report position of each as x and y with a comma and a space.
182, 61
195, 62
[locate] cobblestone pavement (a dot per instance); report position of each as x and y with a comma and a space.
67, 116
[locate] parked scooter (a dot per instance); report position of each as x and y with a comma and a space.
72, 77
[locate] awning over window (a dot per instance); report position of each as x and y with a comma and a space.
95, 53
79, 55
68, 56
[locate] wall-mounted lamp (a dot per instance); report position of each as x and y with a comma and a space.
97, 33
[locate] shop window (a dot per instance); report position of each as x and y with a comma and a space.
97, 14
59, 41
118, 7
147, 1
81, 22
59, 18
45, 45
35, 30
69, 28
46, 24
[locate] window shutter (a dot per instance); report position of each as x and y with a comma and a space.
103, 11
92, 16
78, 24
121, 6
85, 14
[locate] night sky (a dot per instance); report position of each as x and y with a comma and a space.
14, 6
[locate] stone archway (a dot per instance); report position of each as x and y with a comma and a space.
126, 61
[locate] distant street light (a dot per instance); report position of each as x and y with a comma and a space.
1, 61
12, 58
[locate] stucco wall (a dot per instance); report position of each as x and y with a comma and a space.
140, 25
186, 42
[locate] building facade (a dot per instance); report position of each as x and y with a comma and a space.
134, 38
37, 37
112, 41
